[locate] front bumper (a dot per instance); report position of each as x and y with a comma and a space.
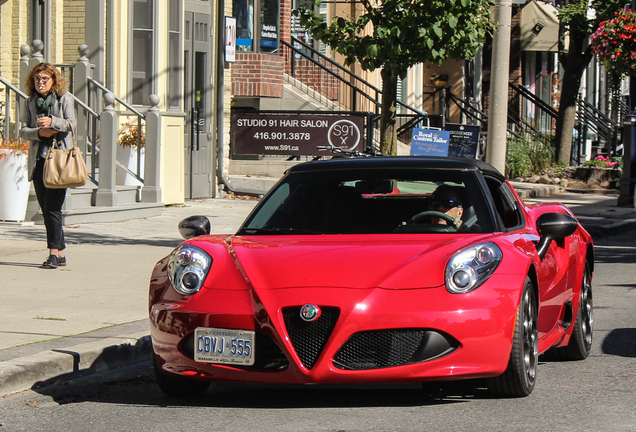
450, 336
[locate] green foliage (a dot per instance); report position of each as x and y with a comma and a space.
527, 155
579, 19
403, 32
576, 15
394, 35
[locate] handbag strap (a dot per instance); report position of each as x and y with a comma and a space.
72, 130
73, 134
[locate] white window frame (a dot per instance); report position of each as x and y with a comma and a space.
153, 70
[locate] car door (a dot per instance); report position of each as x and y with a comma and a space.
552, 271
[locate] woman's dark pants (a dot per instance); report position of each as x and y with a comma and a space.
51, 201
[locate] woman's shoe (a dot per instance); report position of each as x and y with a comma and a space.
52, 262
61, 261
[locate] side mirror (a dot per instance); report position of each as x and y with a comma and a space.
194, 226
554, 226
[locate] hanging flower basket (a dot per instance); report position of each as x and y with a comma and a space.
615, 43
14, 182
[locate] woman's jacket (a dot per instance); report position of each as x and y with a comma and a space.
62, 117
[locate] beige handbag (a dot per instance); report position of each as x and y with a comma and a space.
64, 168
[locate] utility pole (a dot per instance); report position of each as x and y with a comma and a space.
628, 181
499, 76
629, 155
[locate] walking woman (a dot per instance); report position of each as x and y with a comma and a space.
49, 118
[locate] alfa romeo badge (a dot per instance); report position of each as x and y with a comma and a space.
310, 312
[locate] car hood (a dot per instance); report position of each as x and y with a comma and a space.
386, 261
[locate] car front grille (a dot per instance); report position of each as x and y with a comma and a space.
387, 348
268, 356
310, 338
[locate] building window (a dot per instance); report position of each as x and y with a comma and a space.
244, 14
174, 50
258, 32
143, 58
269, 25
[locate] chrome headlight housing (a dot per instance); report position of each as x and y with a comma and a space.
187, 269
471, 267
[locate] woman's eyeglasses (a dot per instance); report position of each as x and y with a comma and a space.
43, 80
445, 204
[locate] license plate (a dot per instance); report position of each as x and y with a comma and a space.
225, 346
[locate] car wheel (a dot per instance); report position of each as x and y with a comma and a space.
178, 387
519, 378
581, 340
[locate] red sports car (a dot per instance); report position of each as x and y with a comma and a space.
381, 269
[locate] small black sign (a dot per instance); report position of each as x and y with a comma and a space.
464, 140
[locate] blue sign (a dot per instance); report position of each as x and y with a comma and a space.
429, 142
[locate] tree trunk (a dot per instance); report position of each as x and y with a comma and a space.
577, 60
388, 132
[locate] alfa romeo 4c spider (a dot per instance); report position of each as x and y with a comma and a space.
376, 270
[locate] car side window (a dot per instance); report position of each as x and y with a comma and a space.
506, 206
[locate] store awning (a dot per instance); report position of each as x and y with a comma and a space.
539, 27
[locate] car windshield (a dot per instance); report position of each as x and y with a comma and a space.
378, 201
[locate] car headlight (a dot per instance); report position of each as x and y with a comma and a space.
187, 268
470, 268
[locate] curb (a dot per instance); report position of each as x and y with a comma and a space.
93, 357
599, 231
537, 191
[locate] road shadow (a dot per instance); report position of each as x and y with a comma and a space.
75, 237
136, 385
620, 342
614, 256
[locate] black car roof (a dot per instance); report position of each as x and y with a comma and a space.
398, 162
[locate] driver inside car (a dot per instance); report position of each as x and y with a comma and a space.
447, 199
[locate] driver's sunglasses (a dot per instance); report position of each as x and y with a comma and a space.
445, 204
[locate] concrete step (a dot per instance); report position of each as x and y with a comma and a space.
78, 206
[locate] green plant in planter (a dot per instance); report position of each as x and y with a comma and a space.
128, 136
601, 161
527, 155
14, 146
614, 163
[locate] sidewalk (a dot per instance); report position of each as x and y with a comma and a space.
91, 315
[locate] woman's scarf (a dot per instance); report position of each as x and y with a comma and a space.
44, 108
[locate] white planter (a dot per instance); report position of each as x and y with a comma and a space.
127, 156
14, 186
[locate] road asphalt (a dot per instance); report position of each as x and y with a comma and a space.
91, 315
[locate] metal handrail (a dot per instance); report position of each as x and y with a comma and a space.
534, 99
140, 118
456, 99
117, 98
13, 88
588, 107
20, 95
345, 71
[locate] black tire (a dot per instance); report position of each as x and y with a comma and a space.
519, 378
581, 341
178, 387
